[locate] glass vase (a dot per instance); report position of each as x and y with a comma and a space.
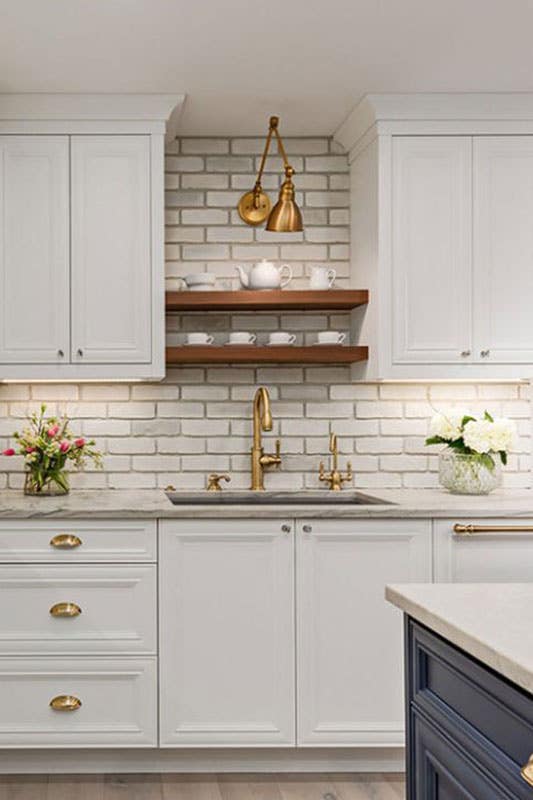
468, 474
50, 488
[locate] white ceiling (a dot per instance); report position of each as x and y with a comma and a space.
239, 61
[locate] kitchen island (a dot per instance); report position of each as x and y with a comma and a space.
469, 704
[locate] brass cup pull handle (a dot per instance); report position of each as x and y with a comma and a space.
527, 771
65, 610
65, 541
65, 702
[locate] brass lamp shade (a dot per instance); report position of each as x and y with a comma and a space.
285, 217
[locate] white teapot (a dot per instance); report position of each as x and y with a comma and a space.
265, 275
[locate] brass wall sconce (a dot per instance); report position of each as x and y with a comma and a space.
255, 206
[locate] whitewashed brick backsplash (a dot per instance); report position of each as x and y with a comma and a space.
199, 420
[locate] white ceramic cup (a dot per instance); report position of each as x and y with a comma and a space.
200, 281
200, 338
322, 278
281, 337
242, 337
331, 337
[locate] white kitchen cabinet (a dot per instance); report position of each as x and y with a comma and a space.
441, 209
226, 633
34, 250
503, 249
494, 556
82, 236
350, 664
111, 257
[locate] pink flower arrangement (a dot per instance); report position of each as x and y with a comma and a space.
47, 445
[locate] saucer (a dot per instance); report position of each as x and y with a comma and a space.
280, 344
240, 344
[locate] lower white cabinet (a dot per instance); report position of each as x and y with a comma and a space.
109, 702
503, 554
227, 633
350, 663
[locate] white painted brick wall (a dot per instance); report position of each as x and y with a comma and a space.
199, 419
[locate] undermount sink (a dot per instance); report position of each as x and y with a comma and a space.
302, 498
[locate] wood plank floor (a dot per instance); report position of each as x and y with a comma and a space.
203, 787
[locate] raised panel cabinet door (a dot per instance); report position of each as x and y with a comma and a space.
494, 556
226, 633
432, 249
111, 249
350, 646
503, 249
34, 249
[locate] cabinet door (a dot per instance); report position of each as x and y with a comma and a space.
34, 249
350, 664
503, 249
431, 249
111, 259
227, 633
504, 556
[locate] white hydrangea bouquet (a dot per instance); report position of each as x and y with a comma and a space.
476, 448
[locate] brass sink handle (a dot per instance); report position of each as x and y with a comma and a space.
65, 610
65, 541
65, 702
213, 481
527, 771
334, 478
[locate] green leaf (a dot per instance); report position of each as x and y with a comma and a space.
436, 440
467, 418
503, 456
487, 416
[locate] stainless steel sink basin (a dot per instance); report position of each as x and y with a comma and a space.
303, 498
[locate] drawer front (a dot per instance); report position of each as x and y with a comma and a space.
75, 541
489, 715
103, 609
118, 702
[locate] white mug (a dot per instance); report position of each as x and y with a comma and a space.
322, 278
200, 338
242, 337
280, 337
331, 337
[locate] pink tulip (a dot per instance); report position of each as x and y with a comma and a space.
79, 442
8, 452
30, 449
64, 446
52, 431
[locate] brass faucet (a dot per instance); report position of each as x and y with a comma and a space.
335, 478
262, 421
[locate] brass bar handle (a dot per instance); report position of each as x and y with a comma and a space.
65, 541
527, 771
65, 610
468, 530
65, 702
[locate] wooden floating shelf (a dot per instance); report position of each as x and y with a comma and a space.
284, 300
279, 354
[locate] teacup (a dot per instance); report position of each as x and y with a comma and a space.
200, 338
200, 281
322, 278
242, 337
281, 337
331, 337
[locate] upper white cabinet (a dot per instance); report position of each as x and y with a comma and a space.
81, 235
34, 249
442, 202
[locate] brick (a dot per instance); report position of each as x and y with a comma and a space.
223, 234
403, 463
254, 252
205, 427
204, 181
43, 392
229, 164
205, 146
200, 252
184, 199
85, 410
107, 427
131, 410
154, 391
327, 164
205, 392
181, 234
304, 252
155, 463
206, 462
327, 199
184, 164
131, 445
277, 375
211, 216
131, 480
14, 391
155, 427
172, 180
379, 410
379, 444
327, 234
180, 409
339, 216
339, 251
354, 391
274, 164
223, 199
180, 444
329, 410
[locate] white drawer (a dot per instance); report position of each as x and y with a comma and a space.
117, 603
118, 702
75, 541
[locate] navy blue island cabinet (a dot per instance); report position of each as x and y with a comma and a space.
469, 730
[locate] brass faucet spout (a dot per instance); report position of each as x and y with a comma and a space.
262, 421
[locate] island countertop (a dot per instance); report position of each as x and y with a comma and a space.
153, 504
493, 622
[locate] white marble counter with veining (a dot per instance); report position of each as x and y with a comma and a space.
109, 504
491, 621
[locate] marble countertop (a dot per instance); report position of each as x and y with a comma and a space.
119, 503
491, 621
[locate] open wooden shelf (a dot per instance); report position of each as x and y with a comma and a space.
288, 300
279, 354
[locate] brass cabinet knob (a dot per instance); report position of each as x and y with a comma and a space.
65, 541
527, 771
65, 610
65, 702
